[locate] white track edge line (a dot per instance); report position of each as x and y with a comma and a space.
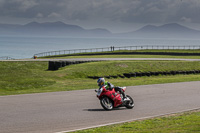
142, 118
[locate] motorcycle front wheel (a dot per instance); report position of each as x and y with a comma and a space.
106, 103
129, 104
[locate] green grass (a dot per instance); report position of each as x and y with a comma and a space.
188, 122
33, 77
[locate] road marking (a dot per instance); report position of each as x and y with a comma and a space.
142, 118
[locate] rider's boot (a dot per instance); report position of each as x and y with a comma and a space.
124, 96
121, 92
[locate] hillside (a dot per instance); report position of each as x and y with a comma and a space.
51, 29
172, 30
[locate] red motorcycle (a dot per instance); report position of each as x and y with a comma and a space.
110, 99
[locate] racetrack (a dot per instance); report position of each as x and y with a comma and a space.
70, 110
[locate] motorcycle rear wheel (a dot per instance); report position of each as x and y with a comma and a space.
106, 103
129, 104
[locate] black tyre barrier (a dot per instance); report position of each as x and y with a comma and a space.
197, 71
168, 73
127, 75
187, 72
152, 73
179, 72
58, 64
63, 63
121, 76
108, 77
173, 72
96, 77
133, 74
157, 73
138, 74
148, 74
93, 77
51, 65
55, 65
164, 73
183, 72
114, 77
141, 74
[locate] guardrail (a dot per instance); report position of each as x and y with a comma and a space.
112, 48
6, 58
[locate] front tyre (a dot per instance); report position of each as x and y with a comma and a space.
106, 103
129, 104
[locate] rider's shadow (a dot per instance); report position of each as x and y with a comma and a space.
94, 110
115, 109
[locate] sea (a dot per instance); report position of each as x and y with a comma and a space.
19, 47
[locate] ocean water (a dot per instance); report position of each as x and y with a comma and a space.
26, 47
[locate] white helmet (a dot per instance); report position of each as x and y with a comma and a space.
101, 81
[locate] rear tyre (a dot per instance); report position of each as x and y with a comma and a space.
106, 103
129, 104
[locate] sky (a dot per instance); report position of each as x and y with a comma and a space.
114, 15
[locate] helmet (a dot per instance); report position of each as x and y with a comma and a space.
100, 81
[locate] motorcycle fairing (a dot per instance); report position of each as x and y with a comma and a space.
111, 94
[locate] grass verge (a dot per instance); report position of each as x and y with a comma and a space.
33, 77
178, 123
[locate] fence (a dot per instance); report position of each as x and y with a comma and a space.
112, 48
6, 58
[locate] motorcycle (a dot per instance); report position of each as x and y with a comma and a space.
110, 99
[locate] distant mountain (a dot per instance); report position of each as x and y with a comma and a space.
51, 29
172, 30
55, 25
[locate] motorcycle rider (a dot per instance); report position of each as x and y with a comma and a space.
101, 82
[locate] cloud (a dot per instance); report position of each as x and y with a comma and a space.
184, 19
128, 11
54, 15
39, 15
25, 4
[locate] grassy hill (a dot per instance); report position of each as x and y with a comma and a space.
33, 77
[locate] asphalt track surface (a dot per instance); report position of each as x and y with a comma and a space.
71, 110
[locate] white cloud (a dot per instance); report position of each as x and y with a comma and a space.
122, 11
187, 20
27, 4
39, 15
21, 5
54, 15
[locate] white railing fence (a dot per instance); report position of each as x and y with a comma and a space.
112, 48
